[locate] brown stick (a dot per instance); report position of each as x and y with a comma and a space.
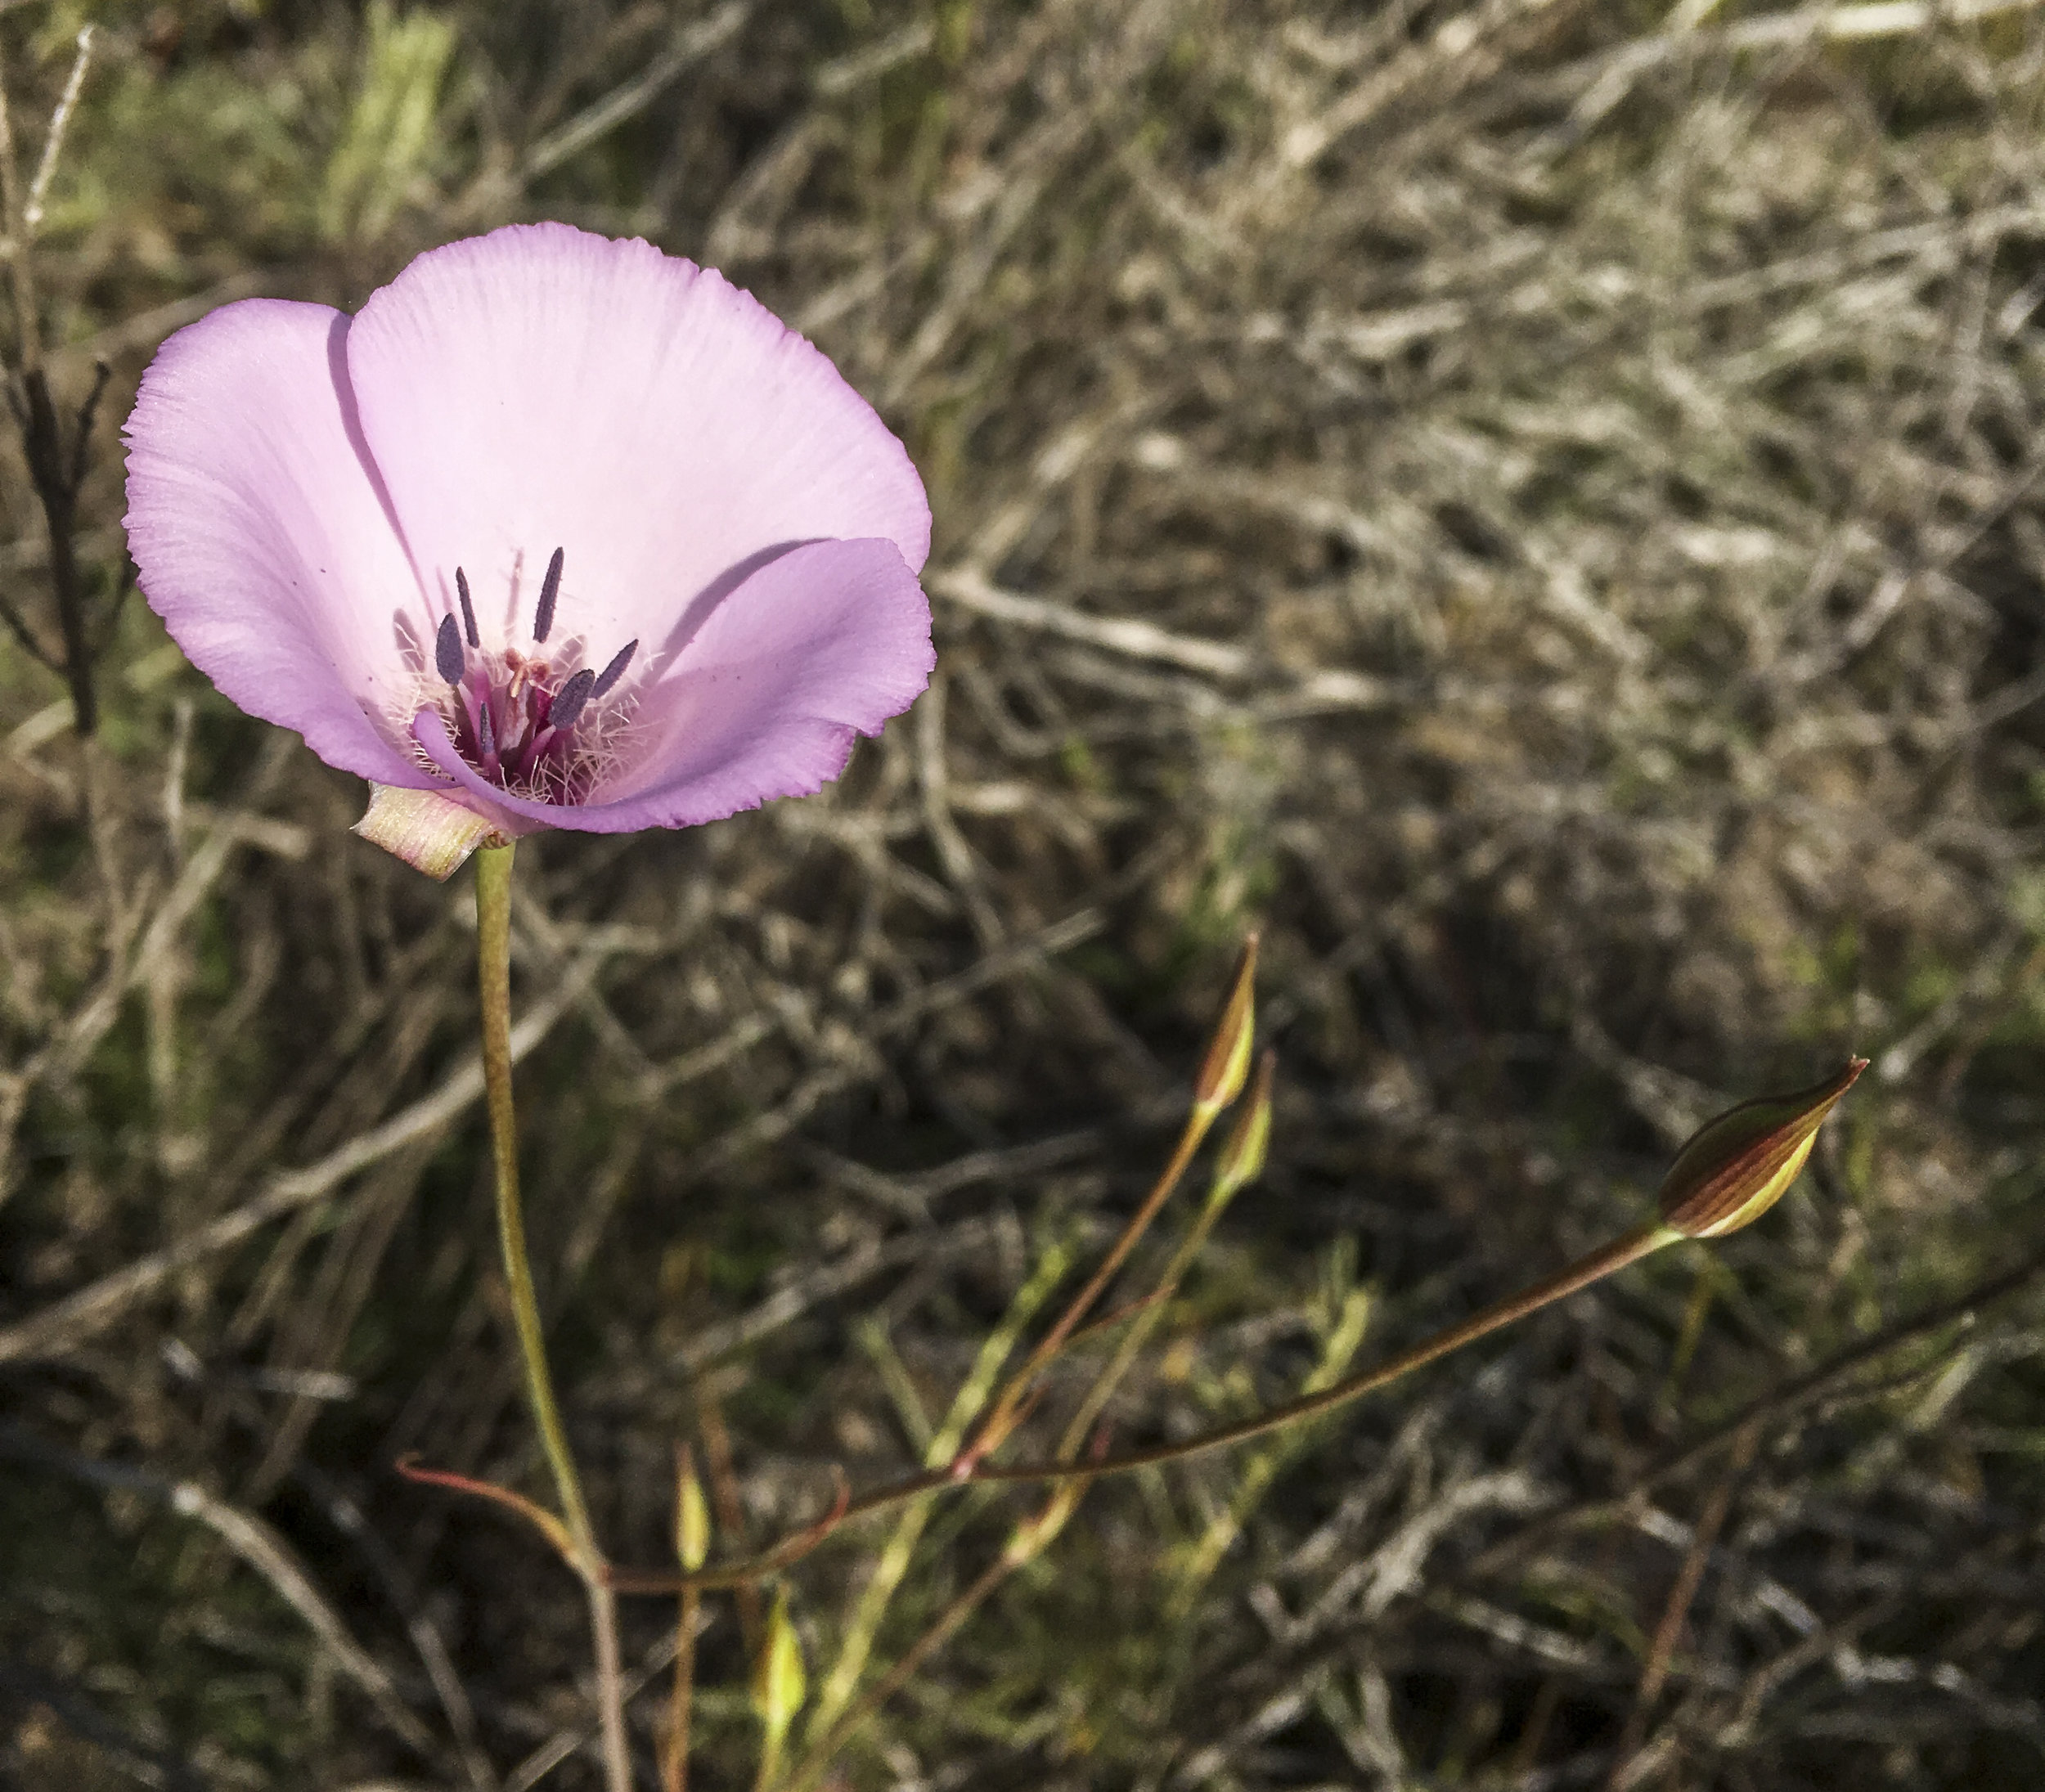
1654, 1675
724, 1491
56, 475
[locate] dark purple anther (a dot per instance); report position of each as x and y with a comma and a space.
447, 651
486, 733
468, 610
568, 701
550, 589
615, 670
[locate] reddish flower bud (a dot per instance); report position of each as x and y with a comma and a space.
1735, 1167
1227, 1065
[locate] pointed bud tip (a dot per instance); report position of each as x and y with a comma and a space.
1226, 1068
1738, 1166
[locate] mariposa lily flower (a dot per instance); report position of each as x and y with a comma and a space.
556, 532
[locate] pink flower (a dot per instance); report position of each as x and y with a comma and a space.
569, 531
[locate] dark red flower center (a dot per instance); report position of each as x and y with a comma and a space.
521, 724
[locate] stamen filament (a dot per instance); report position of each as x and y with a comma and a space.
529, 759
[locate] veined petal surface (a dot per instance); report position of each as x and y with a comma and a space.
261, 535
542, 387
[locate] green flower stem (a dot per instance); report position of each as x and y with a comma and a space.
842, 1682
1029, 1539
1643, 1241
493, 965
674, 1772
1146, 1321
1261, 1467
1007, 1404
832, 1727
1630, 1248
811, 1769
493, 979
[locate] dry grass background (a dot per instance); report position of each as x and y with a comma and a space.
1534, 503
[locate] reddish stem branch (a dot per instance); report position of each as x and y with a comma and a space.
1630, 1249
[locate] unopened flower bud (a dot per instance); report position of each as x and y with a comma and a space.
1227, 1065
1241, 1159
779, 1683
692, 1516
1735, 1167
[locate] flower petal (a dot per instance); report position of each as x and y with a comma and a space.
260, 535
542, 387
825, 643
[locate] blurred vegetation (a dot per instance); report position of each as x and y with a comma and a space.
1535, 504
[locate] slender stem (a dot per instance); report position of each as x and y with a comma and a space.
493, 964
493, 969
1198, 1123
692, 1542
1006, 1413
20, 275
1631, 1248
610, 1687
675, 1770
820, 1755
42, 436
729, 1508
1147, 1322
1640, 1242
